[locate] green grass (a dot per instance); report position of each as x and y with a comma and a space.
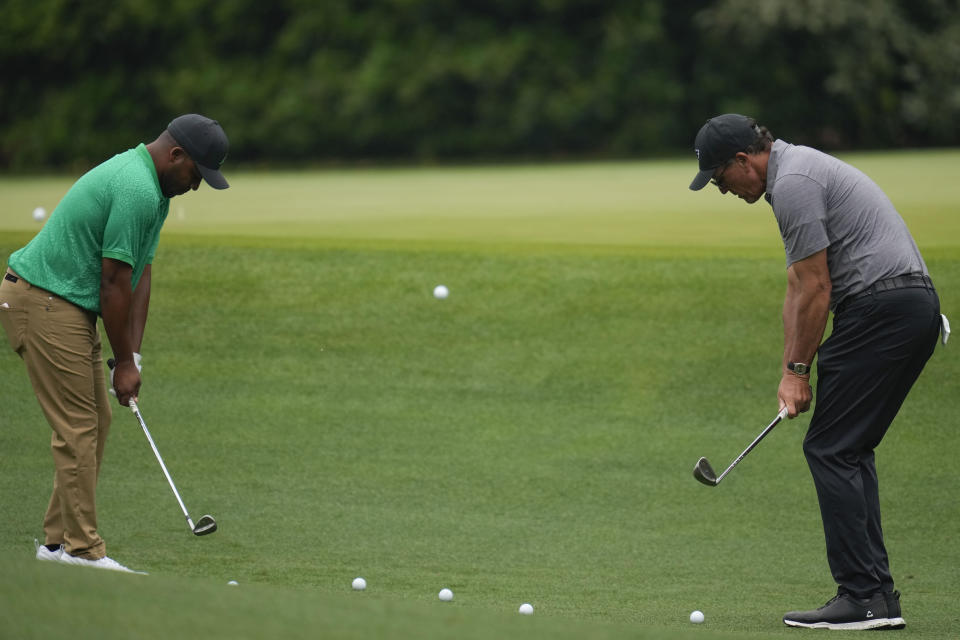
608, 204
529, 439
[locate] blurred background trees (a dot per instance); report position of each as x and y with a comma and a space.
301, 81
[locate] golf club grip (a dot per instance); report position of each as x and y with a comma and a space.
111, 363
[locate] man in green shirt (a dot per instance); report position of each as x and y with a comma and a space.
92, 258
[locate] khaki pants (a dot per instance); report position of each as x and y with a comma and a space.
60, 345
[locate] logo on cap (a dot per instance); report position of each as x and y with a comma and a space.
719, 140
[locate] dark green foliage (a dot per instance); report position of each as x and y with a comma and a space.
296, 81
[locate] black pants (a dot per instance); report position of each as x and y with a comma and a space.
878, 347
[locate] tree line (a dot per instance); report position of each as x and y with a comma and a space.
317, 81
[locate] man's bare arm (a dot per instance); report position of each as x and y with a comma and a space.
806, 307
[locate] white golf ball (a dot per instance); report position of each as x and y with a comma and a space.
39, 214
359, 584
440, 292
233, 583
696, 617
446, 595
526, 609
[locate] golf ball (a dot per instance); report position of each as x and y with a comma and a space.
446, 595
696, 617
233, 583
526, 609
359, 584
39, 214
440, 292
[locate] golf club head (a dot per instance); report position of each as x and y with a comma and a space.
704, 473
205, 525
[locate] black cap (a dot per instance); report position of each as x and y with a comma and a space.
206, 143
718, 141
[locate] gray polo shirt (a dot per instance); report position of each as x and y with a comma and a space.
823, 203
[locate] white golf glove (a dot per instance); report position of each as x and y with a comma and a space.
137, 359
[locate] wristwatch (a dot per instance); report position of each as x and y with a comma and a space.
799, 368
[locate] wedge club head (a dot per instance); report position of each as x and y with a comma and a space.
206, 524
704, 473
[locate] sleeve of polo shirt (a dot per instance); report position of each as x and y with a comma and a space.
127, 217
799, 204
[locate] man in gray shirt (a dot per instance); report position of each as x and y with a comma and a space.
849, 251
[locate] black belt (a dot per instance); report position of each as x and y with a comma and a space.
911, 281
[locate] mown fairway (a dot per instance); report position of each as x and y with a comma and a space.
529, 439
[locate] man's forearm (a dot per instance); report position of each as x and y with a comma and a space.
805, 312
140, 304
115, 310
115, 300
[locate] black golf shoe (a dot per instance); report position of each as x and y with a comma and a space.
847, 612
893, 610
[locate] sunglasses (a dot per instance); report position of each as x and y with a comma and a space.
717, 180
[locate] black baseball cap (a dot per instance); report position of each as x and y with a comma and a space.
718, 141
206, 143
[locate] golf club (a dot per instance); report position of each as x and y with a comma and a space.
205, 524
704, 473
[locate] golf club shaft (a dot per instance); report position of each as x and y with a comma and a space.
780, 416
146, 432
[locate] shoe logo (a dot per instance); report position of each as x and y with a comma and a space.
869, 613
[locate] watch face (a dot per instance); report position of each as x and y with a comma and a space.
799, 368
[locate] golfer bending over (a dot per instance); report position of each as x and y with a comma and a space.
93, 258
849, 251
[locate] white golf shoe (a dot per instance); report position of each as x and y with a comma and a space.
102, 563
45, 554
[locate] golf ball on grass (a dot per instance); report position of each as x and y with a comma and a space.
696, 617
440, 292
359, 584
526, 609
233, 583
446, 595
39, 214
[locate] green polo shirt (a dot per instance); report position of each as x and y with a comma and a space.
115, 210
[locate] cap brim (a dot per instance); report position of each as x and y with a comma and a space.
701, 180
213, 177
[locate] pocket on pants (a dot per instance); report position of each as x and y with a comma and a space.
59, 322
11, 319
